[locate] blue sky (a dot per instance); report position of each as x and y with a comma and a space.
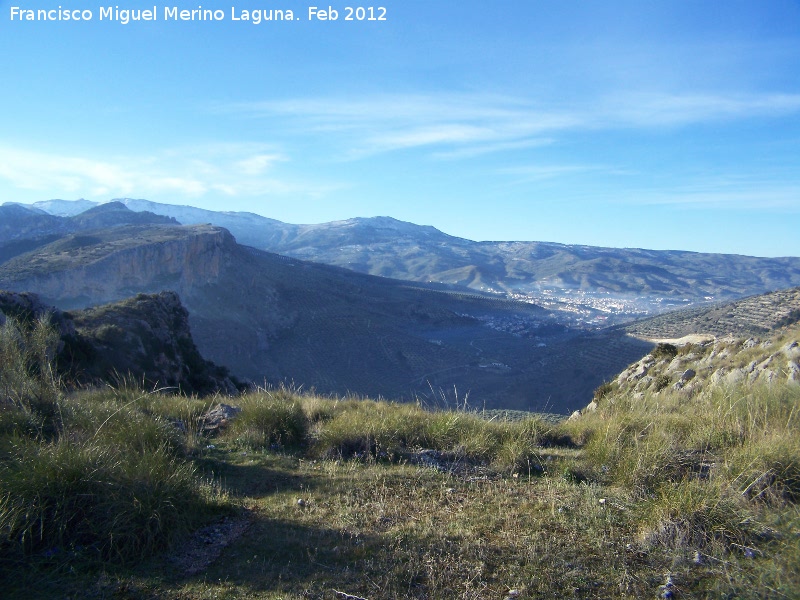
664, 125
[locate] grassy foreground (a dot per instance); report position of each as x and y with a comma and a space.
102, 495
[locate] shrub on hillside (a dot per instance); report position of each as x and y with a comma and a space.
603, 390
94, 499
665, 351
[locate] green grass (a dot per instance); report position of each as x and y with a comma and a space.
86, 478
100, 489
269, 419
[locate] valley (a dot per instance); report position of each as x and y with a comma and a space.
278, 320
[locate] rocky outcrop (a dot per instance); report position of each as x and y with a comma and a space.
145, 338
27, 307
690, 367
217, 418
82, 270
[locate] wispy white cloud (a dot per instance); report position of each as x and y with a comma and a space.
479, 149
762, 196
647, 110
258, 164
543, 172
448, 123
225, 169
464, 125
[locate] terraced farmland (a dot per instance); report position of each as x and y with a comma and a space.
749, 316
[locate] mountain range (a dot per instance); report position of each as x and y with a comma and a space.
390, 248
272, 318
278, 320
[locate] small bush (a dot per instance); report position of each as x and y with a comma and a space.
661, 382
695, 516
368, 428
768, 470
17, 422
27, 371
520, 447
318, 409
91, 475
466, 433
664, 351
603, 390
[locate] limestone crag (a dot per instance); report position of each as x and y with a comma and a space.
146, 338
83, 270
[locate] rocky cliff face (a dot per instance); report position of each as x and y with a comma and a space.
82, 269
146, 338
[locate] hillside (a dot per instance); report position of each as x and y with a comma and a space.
681, 479
120, 492
754, 315
391, 248
276, 319
692, 367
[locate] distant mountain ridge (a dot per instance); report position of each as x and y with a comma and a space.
390, 248
24, 228
273, 318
